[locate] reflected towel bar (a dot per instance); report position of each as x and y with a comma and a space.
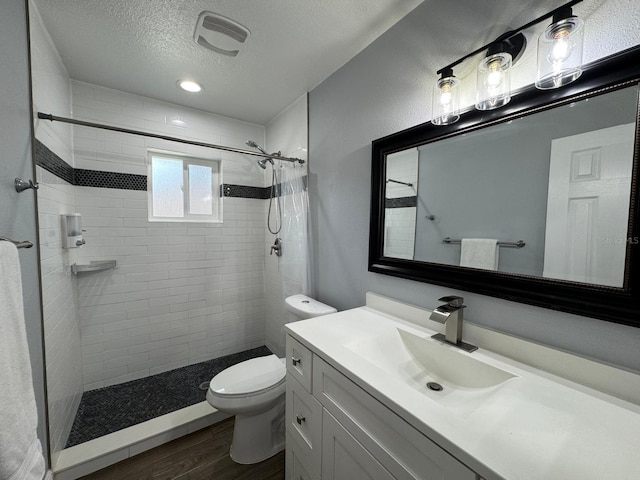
22, 244
518, 244
398, 181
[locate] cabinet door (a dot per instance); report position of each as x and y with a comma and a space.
400, 448
304, 420
298, 465
343, 458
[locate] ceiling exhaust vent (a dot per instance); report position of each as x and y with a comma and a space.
220, 34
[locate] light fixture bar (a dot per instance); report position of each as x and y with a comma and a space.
510, 34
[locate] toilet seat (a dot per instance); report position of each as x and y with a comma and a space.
248, 378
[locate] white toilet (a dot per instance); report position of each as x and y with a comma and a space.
253, 391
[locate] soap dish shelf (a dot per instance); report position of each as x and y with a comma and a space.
93, 266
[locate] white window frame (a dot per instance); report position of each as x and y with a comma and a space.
216, 187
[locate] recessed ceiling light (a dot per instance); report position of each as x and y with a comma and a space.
190, 86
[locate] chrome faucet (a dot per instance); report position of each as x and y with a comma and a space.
451, 315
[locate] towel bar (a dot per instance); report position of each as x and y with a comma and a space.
398, 181
18, 244
518, 244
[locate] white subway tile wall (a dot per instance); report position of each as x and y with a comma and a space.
399, 233
51, 89
61, 325
52, 93
183, 292
400, 223
288, 133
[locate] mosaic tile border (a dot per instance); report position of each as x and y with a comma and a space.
101, 179
51, 162
244, 191
262, 193
401, 202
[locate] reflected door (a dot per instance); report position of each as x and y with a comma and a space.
588, 205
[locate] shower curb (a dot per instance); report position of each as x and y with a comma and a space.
74, 462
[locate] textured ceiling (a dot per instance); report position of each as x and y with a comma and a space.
145, 46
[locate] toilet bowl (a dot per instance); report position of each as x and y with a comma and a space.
253, 391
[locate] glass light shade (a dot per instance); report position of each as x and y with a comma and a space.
560, 53
494, 81
445, 103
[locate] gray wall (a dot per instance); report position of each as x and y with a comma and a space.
386, 88
18, 210
492, 183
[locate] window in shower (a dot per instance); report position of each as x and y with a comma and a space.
183, 189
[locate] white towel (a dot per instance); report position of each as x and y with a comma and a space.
479, 253
20, 449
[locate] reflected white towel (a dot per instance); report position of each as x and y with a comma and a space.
479, 253
20, 450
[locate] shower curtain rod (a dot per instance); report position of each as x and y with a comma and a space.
54, 118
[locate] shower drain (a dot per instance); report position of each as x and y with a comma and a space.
436, 387
204, 386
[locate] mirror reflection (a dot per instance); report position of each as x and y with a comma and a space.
545, 195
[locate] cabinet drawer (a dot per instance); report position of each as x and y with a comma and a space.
400, 448
298, 465
304, 420
299, 362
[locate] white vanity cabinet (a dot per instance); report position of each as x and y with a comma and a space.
337, 431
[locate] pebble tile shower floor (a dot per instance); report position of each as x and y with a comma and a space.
107, 410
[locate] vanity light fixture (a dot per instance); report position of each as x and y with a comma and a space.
494, 71
445, 102
494, 81
560, 51
559, 63
190, 86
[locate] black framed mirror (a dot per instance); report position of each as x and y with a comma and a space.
549, 184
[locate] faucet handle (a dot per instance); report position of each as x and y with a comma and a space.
452, 301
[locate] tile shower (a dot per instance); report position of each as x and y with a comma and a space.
182, 293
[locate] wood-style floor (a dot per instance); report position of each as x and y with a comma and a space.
202, 455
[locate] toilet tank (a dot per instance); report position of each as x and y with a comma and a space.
306, 307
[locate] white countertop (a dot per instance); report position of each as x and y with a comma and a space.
535, 426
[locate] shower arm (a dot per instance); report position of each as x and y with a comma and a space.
54, 118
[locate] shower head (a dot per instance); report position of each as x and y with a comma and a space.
262, 163
252, 144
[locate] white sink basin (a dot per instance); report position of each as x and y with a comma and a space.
502, 418
417, 360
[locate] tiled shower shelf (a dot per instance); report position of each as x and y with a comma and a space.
93, 266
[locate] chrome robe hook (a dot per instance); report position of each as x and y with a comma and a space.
22, 185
